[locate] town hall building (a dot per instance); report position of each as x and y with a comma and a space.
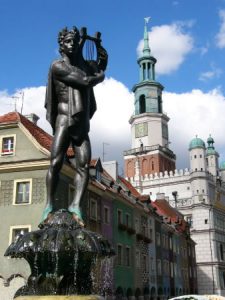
197, 192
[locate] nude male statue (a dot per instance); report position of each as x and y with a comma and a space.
70, 105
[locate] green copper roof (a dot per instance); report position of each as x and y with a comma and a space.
222, 165
210, 140
196, 143
146, 49
210, 149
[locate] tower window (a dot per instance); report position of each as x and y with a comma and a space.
142, 107
160, 104
152, 165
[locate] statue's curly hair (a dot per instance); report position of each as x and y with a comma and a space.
64, 32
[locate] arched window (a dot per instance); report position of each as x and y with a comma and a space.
142, 103
160, 104
144, 166
130, 169
221, 251
152, 165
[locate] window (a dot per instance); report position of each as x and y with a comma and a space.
144, 230
119, 216
138, 259
127, 256
16, 231
222, 279
175, 269
159, 267
165, 267
119, 255
189, 220
174, 246
152, 264
221, 252
153, 167
137, 225
164, 240
142, 107
158, 241
22, 191
171, 269
190, 272
127, 220
93, 209
106, 215
151, 233
145, 263
7, 145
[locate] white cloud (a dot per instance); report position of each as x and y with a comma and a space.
170, 45
115, 105
190, 113
109, 124
213, 73
220, 37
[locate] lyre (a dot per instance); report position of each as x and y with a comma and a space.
92, 50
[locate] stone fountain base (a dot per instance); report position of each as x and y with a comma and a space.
90, 297
62, 257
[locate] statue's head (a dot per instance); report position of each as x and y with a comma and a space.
68, 40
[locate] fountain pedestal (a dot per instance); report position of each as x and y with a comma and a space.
62, 257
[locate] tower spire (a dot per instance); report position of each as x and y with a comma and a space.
146, 49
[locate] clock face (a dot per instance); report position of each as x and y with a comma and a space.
141, 130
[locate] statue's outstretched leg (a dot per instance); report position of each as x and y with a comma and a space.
59, 147
82, 160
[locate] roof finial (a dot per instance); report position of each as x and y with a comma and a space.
146, 49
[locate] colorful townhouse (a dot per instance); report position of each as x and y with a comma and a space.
114, 208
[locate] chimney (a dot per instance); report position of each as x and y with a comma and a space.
111, 167
160, 196
33, 118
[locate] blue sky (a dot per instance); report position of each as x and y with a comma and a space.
186, 36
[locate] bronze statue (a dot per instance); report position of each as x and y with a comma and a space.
70, 104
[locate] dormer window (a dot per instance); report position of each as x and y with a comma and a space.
7, 145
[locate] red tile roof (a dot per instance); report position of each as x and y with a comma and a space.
42, 137
163, 208
130, 187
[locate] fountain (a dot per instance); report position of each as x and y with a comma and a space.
62, 253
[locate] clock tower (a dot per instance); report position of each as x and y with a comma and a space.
149, 153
